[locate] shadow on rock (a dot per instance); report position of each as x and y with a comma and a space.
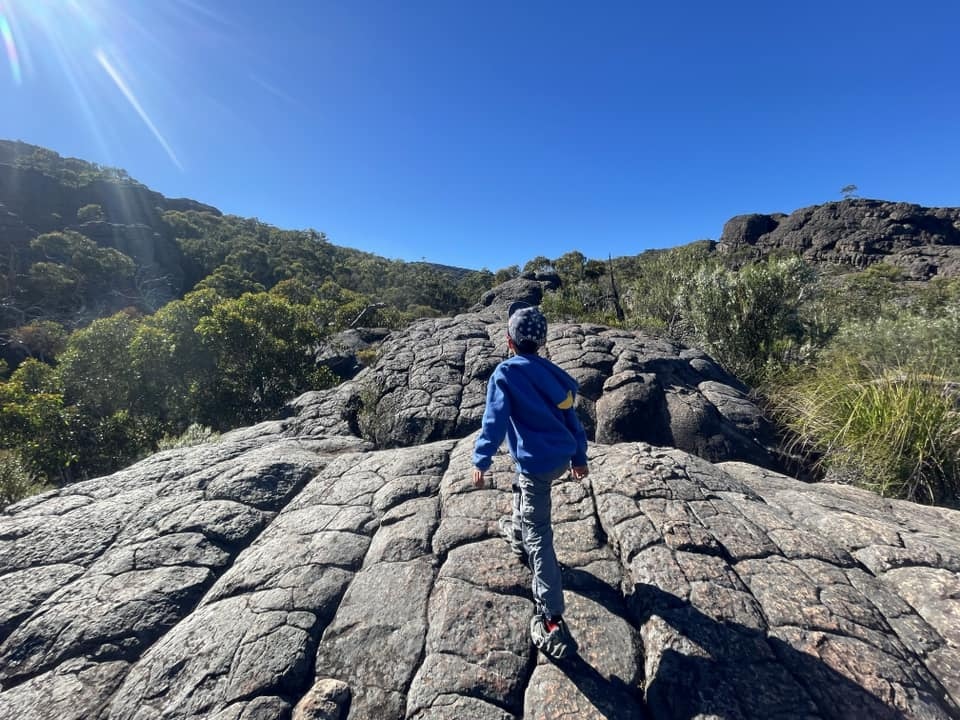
611, 697
699, 667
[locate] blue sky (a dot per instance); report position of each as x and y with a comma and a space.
483, 134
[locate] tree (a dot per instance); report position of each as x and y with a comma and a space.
35, 422
614, 292
661, 279
260, 344
57, 284
506, 273
70, 273
175, 372
44, 339
472, 286
539, 264
570, 266
96, 368
229, 281
848, 191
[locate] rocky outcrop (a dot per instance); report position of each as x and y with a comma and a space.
339, 353
429, 383
923, 242
529, 288
34, 201
45, 201
276, 569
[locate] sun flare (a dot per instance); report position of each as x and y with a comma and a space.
108, 55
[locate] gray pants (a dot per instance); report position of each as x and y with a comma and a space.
531, 514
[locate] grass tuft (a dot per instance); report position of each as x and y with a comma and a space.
896, 432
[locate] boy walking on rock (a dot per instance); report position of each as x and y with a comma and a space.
530, 402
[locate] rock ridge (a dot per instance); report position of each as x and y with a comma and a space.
922, 242
429, 383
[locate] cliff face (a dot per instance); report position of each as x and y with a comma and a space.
923, 242
41, 192
227, 580
32, 203
44, 203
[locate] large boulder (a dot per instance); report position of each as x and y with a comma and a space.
339, 353
528, 288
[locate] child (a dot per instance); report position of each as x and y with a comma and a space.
530, 401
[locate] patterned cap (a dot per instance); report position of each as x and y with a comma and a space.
526, 323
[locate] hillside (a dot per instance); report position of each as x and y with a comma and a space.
80, 241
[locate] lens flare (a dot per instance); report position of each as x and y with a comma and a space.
103, 57
12, 57
135, 104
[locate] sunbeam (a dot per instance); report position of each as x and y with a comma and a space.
91, 49
132, 99
12, 56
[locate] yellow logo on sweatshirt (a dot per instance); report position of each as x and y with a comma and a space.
567, 402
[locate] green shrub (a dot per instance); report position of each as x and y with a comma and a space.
16, 482
909, 339
90, 212
196, 434
656, 283
749, 319
896, 432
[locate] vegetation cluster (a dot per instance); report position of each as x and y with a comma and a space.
70, 172
98, 372
860, 370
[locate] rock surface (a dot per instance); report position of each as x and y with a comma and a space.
287, 571
922, 242
339, 353
294, 569
429, 383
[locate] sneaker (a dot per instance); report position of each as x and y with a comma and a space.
552, 637
512, 537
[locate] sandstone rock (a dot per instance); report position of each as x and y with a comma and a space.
374, 584
293, 568
924, 242
430, 383
339, 353
526, 288
327, 700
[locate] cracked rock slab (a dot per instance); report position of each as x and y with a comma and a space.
225, 582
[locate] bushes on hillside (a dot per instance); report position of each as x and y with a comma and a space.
124, 382
881, 407
749, 319
862, 369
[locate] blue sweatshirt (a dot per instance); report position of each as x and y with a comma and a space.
530, 401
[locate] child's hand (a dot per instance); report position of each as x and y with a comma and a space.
478, 479
580, 472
